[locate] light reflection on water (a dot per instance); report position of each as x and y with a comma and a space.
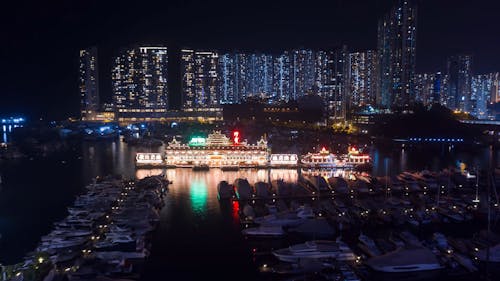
200, 187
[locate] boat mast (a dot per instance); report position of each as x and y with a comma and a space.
476, 200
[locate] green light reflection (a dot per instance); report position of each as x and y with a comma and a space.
198, 193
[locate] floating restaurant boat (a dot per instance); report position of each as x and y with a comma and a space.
324, 159
217, 150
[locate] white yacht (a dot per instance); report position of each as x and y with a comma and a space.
315, 249
264, 230
405, 260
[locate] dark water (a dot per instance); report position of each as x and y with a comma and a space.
197, 237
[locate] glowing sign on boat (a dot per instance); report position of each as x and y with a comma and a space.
284, 159
148, 158
197, 141
236, 137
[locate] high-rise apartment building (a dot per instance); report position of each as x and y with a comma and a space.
363, 68
397, 34
89, 83
459, 89
495, 88
481, 88
282, 76
139, 78
302, 73
200, 79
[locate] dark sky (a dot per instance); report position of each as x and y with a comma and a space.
40, 39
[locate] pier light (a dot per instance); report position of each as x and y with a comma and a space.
40, 260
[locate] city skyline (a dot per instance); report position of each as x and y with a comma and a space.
57, 78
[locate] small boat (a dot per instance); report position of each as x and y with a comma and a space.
262, 190
202, 167
224, 190
315, 249
243, 189
264, 230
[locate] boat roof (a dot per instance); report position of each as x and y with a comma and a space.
404, 257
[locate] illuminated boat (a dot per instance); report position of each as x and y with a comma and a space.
355, 157
217, 151
322, 159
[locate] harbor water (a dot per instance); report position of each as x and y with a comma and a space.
197, 237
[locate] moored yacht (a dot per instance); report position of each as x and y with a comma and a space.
264, 230
315, 249
405, 260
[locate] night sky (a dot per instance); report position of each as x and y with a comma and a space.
41, 39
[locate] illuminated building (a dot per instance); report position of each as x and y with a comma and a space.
426, 90
89, 83
228, 91
331, 81
282, 71
187, 78
495, 88
241, 76
363, 78
481, 87
459, 83
261, 75
217, 150
139, 78
397, 35
244, 76
200, 79
303, 73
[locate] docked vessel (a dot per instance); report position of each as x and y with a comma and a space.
217, 151
315, 249
264, 230
224, 190
324, 159
405, 260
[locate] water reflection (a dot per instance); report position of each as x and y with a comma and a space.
200, 187
142, 173
198, 194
